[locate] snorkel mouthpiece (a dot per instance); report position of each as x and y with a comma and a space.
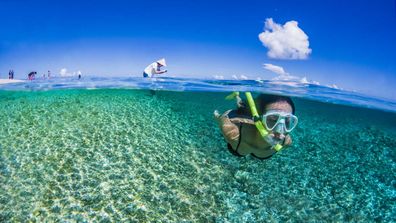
259, 125
277, 147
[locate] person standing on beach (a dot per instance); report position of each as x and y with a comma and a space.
155, 68
49, 74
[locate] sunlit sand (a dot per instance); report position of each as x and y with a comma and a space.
8, 81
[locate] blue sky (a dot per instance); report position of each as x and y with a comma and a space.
350, 43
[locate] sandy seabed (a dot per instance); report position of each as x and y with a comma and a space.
128, 155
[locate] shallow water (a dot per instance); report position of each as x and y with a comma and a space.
119, 154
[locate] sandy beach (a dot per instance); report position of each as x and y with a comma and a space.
8, 81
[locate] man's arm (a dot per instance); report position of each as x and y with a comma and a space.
161, 71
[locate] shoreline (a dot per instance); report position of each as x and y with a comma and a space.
8, 81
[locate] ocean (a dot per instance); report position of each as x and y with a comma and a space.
148, 150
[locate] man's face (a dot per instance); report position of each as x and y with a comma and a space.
281, 107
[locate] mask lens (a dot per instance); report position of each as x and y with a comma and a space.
271, 120
290, 122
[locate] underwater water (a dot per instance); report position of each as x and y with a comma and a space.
114, 155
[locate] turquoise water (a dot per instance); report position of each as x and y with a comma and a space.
114, 155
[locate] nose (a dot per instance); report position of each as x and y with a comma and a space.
278, 135
279, 128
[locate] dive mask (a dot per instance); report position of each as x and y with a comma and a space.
279, 121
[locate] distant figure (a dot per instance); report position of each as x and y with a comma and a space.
79, 75
11, 74
155, 68
49, 74
32, 75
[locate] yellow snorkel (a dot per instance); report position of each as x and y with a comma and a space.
256, 118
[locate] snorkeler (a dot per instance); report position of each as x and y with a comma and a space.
260, 131
155, 68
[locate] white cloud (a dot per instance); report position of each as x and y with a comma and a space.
218, 77
315, 82
285, 76
65, 73
304, 80
332, 86
282, 74
235, 77
285, 42
276, 69
243, 77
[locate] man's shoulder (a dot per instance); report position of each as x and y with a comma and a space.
150, 66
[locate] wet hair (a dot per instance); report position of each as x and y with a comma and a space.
263, 100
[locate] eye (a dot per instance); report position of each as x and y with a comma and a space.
271, 120
288, 120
